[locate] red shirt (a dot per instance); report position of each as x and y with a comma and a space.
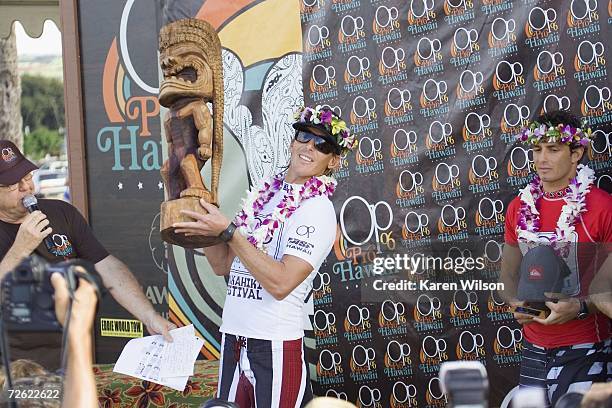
595, 227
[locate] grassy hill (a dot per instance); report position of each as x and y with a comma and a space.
44, 65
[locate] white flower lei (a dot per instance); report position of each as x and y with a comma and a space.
528, 224
258, 232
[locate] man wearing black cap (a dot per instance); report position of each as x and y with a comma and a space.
558, 237
285, 231
22, 233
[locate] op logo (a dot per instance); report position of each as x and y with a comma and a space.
385, 20
8, 155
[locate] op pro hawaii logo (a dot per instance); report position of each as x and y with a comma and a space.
8, 155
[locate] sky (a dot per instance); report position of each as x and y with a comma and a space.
49, 43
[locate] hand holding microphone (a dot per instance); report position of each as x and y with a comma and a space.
34, 229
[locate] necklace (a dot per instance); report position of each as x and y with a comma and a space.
260, 231
575, 205
558, 193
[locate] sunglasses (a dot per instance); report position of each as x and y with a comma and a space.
320, 144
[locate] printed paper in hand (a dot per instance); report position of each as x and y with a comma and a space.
153, 359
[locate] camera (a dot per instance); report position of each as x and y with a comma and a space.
27, 293
465, 384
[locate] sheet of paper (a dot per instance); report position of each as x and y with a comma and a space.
176, 383
176, 360
142, 358
179, 383
153, 359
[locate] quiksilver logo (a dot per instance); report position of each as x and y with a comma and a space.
536, 273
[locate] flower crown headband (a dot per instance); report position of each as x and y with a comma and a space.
537, 133
326, 118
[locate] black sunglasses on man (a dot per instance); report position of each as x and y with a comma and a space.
320, 143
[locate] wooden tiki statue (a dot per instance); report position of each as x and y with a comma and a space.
190, 59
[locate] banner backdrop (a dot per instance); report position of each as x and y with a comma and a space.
126, 146
125, 143
124, 153
436, 92
262, 87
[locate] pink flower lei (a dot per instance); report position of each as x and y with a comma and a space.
575, 205
258, 232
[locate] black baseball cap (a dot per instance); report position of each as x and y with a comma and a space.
542, 270
319, 130
324, 122
13, 164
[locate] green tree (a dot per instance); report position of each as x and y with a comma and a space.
42, 102
10, 120
41, 142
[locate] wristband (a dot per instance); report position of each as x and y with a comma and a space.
228, 233
583, 313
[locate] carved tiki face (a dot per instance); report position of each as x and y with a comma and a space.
185, 64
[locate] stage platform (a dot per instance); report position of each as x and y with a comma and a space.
118, 390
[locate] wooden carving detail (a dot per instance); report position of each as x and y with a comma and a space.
190, 59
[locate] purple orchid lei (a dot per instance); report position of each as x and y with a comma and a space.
529, 225
259, 232
537, 133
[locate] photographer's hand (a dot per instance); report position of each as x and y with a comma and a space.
83, 305
79, 384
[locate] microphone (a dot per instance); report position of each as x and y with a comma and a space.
31, 204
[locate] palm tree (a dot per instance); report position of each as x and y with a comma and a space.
10, 92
